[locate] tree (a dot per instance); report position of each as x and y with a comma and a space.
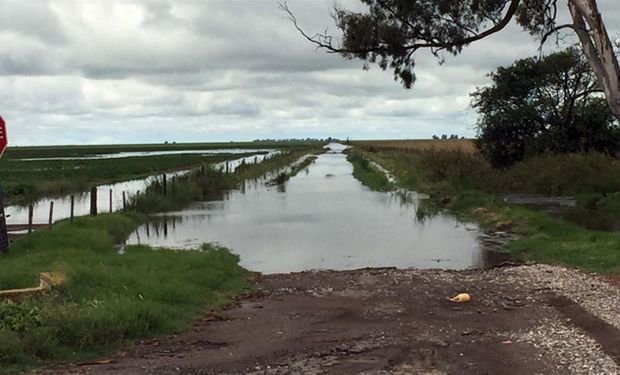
392, 31
543, 104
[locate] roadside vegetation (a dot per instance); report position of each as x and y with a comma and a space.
466, 185
369, 175
27, 181
110, 299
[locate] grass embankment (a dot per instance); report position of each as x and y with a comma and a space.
26, 181
82, 150
467, 186
367, 174
201, 184
109, 299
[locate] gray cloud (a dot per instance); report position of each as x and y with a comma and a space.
148, 71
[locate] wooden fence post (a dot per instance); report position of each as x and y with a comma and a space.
4, 235
72, 209
165, 184
93, 201
30, 217
51, 218
124, 201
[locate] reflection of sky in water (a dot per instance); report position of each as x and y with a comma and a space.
318, 222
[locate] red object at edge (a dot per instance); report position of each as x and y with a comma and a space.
3, 137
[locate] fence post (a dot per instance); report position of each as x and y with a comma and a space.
4, 235
72, 209
111, 206
93, 201
124, 201
165, 184
51, 218
30, 217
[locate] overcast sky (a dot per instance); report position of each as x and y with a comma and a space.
87, 71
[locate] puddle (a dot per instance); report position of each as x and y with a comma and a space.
62, 205
320, 219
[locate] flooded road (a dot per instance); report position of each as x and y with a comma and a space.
320, 219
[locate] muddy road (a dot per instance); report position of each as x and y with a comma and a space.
521, 320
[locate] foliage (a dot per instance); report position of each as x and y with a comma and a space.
551, 174
543, 104
109, 299
391, 31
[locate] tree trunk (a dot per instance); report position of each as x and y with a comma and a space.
598, 49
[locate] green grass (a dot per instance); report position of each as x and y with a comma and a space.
368, 175
464, 187
109, 299
26, 181
550, 174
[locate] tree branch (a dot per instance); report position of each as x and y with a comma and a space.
555, 30
325, 40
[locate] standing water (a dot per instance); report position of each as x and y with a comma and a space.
322, 218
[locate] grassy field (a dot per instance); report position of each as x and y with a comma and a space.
79, 150
467, 186
465, 145
25, 181
109, 299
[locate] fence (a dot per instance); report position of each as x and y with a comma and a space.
15, 230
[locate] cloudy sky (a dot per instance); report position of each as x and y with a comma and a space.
87, 71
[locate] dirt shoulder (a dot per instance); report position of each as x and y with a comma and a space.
521, 320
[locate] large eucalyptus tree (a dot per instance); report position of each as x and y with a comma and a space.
391, 32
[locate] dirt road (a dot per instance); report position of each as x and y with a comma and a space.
521, 320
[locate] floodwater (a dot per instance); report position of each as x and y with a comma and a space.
322, 218
62, 205
116, 155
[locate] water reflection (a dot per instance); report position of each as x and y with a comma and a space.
318, 222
